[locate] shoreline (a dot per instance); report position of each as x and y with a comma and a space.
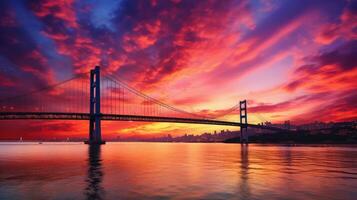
289, 144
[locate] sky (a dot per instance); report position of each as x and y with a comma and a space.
292, 60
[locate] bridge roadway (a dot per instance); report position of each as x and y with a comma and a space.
115, 117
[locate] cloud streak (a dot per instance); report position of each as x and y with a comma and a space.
202, 56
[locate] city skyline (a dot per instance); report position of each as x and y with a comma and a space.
291, 60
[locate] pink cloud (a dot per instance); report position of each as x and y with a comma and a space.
345, 28
61, 9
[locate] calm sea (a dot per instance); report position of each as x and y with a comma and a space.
176, 171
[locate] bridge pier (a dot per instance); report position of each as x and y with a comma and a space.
244, 122
95, 137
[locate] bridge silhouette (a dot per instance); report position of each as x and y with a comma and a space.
96, 98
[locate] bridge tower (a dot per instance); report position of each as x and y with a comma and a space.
244, 121
95, 136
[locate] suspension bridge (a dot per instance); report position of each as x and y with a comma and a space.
95, 98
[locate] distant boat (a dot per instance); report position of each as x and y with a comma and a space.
40, 143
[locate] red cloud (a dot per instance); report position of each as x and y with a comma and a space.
343, 108
282, 106
144, 35
344, 29
83, 52
331, 71
60, 9
176, 45
199, 40
6, 81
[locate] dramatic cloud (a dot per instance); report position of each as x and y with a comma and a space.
345, 28
332, 70
290, 59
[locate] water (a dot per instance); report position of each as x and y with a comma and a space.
176, 171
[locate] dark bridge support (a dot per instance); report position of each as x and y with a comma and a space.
95, 136
244, 121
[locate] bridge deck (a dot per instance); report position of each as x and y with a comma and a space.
111, 117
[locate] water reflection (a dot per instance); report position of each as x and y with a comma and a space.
94, 189
177, 171
244, 172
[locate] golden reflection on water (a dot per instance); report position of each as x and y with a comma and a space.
176, 171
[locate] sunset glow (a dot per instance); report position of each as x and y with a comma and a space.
291, 60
